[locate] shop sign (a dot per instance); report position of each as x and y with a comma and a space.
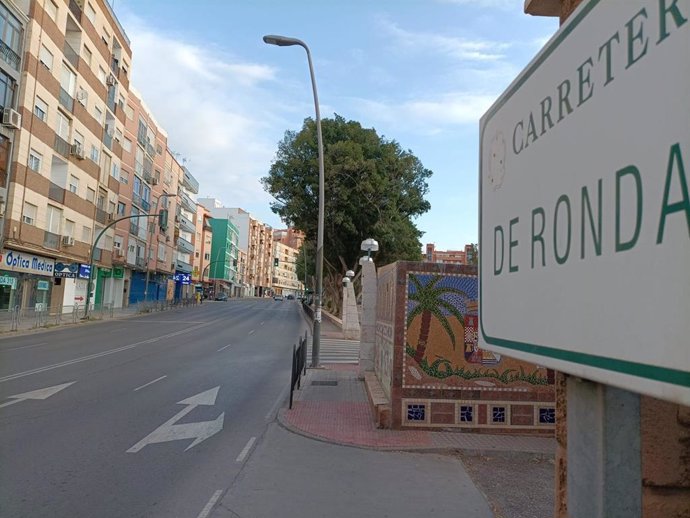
27, 263
84, 271
6, 280
183, 278
105, 273
43, 286
118, 272
66, 271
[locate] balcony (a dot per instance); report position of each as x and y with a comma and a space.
66, 100
186, 224
51, 240
133, 228
97, 254
136, 199
71, 55
150, 150
9, 55
185, 246
108, 140
140, 262
189, 182
56, 193
102, 216
182, 266
75, 9
145, 205
187, 202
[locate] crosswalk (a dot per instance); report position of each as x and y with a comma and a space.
335, 350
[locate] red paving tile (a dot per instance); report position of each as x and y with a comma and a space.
348, 422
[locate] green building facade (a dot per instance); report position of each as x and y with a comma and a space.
224, 252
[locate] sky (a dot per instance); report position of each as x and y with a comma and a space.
421, 72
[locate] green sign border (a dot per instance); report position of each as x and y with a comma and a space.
651, 372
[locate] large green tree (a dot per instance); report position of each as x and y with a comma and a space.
373, 188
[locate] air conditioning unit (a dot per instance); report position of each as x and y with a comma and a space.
110, 80
67, 241
78, 150
82, 95
111, 216
154, 181
11, 118
167, 239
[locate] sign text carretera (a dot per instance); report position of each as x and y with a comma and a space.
585, 201
28, 263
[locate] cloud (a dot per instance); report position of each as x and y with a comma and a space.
487, 4
215, 108
458, 48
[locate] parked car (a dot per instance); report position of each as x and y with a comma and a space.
278, 297
222, 296
291, 297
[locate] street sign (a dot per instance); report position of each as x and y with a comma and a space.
169, 431
584, 203
184, 278
84, 270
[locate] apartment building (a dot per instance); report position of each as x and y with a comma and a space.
13, 22
290, 237
142, 247
284, 278
64, 176
184, 227
255, 239
224, 256
447, 256
202, 248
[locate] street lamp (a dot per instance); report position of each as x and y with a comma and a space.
283, 41
369, 245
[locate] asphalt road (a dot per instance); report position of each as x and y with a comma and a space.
151, 416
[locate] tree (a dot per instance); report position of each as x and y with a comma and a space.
473, 257
373, 188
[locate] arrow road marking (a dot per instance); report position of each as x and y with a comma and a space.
169, 431
43, 393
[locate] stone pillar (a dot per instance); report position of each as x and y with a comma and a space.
604, 472
368, 334
351, 330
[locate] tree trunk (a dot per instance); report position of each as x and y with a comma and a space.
423, 336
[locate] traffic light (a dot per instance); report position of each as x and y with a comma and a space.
163, 219
275, 262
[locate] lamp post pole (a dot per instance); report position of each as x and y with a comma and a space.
282, 41
93, 248
149, 244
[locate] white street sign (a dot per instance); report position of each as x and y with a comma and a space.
169, 431
43, 393
585, 204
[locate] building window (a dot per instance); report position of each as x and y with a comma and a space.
129, 111
547, 416
6, 89
115, 173
62, 128
78, 138
35, 159
69, 228
124, 177
95, 153
90, 13
98, 113
127, 145
41, 109
90, 195
51, 9
10, 32
498, 414
466, 413
46, 57
29, 213
86, 55
86, 234
101, 74
53, 219
73, 184
120, 209
207, 256
416, 412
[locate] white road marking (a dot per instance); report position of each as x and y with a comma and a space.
250, 332
43, 393
150, 383
209, 505
224, 347
169, 431
144, 321
274, 408
24, 347
246, 449
101, 354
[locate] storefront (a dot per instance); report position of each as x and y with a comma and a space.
26, 280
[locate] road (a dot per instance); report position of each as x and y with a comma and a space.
152, 416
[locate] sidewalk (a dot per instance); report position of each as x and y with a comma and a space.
332, 406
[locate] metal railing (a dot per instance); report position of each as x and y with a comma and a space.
9, 55
56, 193
75, 9
299, 364
66, 100
71, 55
61, 146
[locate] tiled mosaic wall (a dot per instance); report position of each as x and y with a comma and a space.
427, 315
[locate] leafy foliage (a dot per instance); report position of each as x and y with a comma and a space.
373, 188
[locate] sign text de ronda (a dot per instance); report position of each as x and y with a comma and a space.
585, 204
